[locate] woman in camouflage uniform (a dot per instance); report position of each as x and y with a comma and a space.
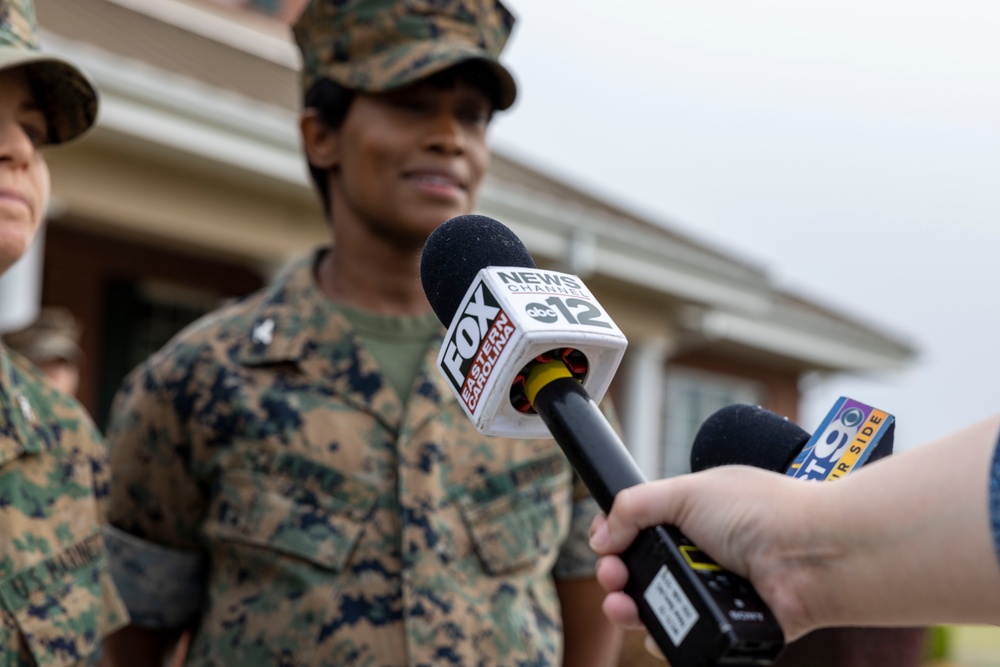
56, 597
292, 475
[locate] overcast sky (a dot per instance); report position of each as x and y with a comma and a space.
850, 148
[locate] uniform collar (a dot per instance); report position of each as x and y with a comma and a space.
296, 323
293, 314
16, 410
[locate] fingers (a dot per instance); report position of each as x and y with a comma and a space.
653, 649
621, 610
618, 607
636, 508
612, 574
598, 526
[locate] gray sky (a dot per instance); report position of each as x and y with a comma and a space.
851, 148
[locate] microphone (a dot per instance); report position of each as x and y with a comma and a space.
528, 353
504, 314
851, 435
747, 435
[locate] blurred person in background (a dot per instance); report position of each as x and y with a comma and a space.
58, 599
52, 344
292, 477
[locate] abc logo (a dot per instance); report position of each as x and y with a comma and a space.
542, 313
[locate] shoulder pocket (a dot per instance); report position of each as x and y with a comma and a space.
64, 605
277, 514
518, 518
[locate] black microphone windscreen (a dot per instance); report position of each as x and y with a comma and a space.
459, 249
747, 435
884, 446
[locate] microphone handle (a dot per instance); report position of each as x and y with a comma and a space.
699, 614
593, 448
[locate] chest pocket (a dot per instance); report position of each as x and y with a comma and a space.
519, 518
59, 605
281, 515
294, 524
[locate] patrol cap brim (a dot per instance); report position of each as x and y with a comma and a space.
410, 63
64, 93
52, 348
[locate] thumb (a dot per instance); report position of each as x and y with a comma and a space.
635, 508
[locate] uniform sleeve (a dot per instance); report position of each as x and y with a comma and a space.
101, 467
161, 587
114, 607
576, 560
156, 505
995, 497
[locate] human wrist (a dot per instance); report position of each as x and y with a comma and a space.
807, 564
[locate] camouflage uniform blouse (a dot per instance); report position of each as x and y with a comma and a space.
341, 527
56, 597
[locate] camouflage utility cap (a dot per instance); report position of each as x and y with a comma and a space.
62, 91
378, 45
54, 336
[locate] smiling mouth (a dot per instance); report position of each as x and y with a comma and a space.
436, 180
13, 197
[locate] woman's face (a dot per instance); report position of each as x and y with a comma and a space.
24, 175
407, 160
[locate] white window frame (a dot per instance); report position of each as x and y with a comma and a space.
690, 396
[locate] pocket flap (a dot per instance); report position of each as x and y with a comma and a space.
519, 516
61, 605
277, 514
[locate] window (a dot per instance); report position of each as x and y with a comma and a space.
141, 318
690, 397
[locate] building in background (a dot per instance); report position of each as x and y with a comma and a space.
193, 190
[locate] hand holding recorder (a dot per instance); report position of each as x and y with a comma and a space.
903, 543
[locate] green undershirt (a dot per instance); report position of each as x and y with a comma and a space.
397, 342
